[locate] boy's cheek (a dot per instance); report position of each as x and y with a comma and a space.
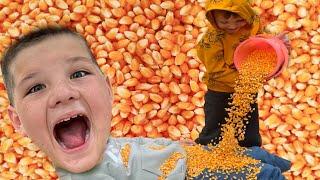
34, 126
37, 133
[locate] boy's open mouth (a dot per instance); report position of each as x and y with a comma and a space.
72, 132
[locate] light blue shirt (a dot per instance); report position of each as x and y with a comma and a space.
144, 163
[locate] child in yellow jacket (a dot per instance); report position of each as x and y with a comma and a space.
232, 21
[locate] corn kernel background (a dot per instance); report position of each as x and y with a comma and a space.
146, 48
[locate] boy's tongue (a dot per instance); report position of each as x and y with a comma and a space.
72, 134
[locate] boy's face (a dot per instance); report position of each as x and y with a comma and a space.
229, 24
62, 101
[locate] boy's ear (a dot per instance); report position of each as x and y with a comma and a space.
15, 120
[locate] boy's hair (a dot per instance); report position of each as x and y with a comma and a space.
32, 38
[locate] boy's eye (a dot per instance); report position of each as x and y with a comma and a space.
79, 74
36, 88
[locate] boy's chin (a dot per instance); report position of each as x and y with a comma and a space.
77, 168
81, 165
83, 160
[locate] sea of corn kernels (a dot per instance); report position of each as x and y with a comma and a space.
146, 47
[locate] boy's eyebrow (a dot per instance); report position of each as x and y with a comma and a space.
69, 60
76, 59
26, 78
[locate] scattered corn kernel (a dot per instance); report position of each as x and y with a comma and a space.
125, 154
169, 164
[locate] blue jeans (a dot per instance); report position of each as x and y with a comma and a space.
215, 114
271, 165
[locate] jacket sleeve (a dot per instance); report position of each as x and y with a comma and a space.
210, 47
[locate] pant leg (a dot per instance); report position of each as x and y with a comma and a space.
214, 109
252, 135
215, 114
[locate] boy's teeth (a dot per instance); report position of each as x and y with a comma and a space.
74, 116
67, 119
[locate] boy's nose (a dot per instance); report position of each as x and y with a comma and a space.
63, 93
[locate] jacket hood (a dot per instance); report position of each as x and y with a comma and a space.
240, 7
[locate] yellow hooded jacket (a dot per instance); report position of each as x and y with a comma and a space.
216, 48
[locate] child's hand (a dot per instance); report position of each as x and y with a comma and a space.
284, 37
187, 142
